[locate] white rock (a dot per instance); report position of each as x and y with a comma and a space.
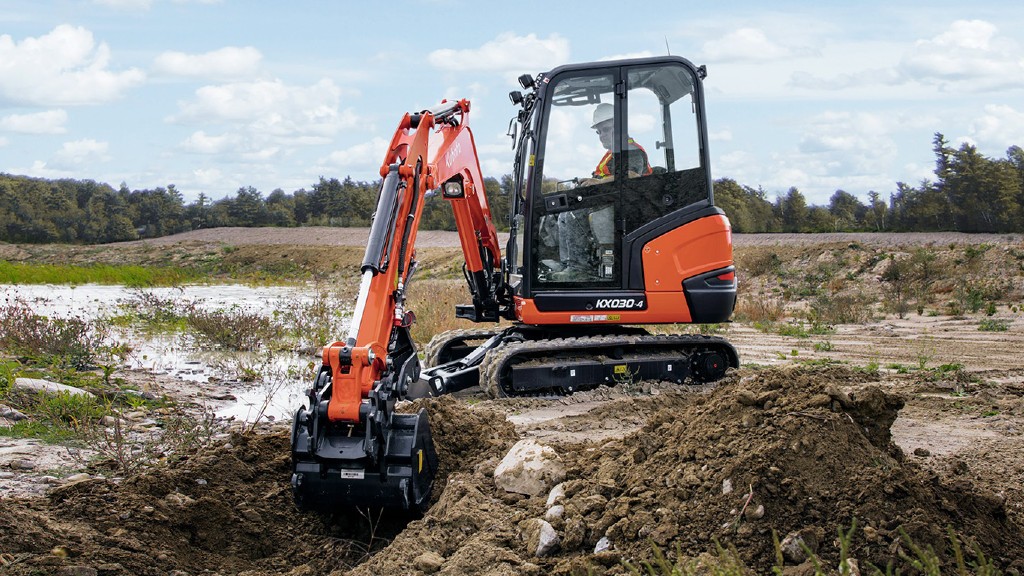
40, 385
557, 495
554, 513
726, 486
547, 539
603, 545
529, 468
10, 413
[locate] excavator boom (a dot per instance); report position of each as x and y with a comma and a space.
349, 446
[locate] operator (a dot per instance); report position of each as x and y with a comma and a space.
636, 156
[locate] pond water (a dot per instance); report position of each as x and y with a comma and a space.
280, 378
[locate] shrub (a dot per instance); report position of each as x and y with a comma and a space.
994, 325
234, 329
70, 342
760, 309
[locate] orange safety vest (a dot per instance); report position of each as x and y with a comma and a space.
602, 170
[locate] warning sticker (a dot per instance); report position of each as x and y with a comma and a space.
352, 474
594, 317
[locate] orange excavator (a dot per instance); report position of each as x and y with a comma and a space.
613, 226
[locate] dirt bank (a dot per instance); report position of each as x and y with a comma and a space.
781, 450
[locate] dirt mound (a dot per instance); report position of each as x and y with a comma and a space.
805, 451
786, 450
782, 450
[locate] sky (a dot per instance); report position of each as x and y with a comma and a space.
215, 95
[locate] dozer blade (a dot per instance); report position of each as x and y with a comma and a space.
337, 467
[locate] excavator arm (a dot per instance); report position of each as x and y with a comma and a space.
349, 446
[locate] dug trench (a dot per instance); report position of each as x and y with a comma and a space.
804, 452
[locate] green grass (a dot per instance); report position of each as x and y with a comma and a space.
127, 275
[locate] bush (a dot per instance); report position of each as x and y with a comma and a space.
994, 325
234, 329
69, 342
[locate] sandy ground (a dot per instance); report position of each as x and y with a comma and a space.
330, 236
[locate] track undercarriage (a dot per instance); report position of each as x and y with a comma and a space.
528, 361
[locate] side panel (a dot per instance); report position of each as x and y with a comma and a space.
699, 247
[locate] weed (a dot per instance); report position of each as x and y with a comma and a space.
155, 312
824, 346
234, 329
759, 263
62, 341
124, 451
8, 372
760, 309
434, 304
993, 325
315, 322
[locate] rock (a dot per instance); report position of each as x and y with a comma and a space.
22, 465
603, 545
428, 562
754, 512
726, 486
76, 478
922, 452
529, 468
554, 513
178, 499
556, 495
10, 413
795, 545
40, 385
540, 537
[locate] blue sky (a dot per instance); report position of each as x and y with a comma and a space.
213, 95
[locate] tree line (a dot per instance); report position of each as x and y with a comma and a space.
970, 193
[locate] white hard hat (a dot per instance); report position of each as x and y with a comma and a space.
603, 113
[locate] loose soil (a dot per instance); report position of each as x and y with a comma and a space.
804, 439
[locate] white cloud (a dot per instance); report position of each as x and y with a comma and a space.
271, 108
970, 54
505, 53
202, 143
361, 157
63, 67
48, 122
227, 62
125, 4
625, 56
79, 153
3, 141
1000, 126
720, 136
744, 44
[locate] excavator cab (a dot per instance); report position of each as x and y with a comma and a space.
616, 204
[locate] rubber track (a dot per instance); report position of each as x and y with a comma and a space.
495, 362
440, 340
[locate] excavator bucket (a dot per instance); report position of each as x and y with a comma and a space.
333, 468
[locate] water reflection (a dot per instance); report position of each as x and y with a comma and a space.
263, 383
